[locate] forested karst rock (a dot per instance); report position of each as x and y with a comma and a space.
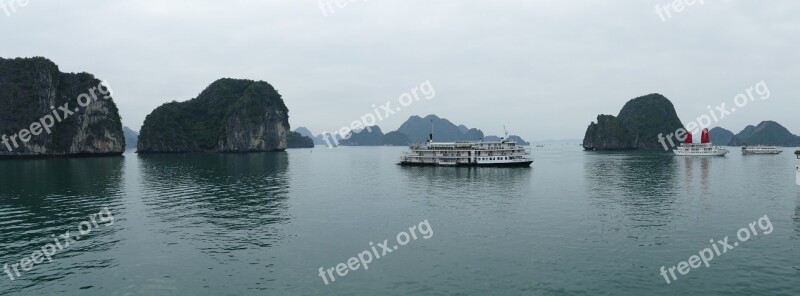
36, 94
231, 115
637, 126
723, 137
768, 133
298, 140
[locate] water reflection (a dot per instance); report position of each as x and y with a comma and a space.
466, 174
644, 183
223, 202
40, 198
688, 173
460, 176
797, 218
503, 185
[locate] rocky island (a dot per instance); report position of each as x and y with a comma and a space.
47, 113
637, 126
298, 140
765, 133
230, 115
723, 137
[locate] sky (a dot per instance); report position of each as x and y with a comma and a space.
543, 69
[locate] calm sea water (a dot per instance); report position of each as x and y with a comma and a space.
577, 223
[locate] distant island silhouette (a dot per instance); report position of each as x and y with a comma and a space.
414, 130
765, 133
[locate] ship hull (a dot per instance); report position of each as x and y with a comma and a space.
521, 164
761, 153
721, 153
761, 150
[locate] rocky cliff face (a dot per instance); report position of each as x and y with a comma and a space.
48, 113
229, 116
637, 126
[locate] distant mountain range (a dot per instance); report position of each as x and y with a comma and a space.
721, 136
512, 138
373, 136
418, 130
318, 139
131, 138
765, 133
414, 130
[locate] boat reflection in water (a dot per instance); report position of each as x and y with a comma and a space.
688, 164
462, 182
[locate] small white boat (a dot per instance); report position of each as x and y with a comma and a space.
797, 153
761, 149
705, 148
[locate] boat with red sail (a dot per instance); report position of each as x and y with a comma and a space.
704, 148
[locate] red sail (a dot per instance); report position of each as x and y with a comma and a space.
688, 138
705, 139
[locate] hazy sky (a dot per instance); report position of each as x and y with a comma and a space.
545, 69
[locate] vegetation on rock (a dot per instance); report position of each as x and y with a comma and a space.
33, 88
637, 126
231, 115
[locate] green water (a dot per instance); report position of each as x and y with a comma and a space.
576, 223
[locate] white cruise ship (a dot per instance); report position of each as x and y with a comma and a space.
705, 148
463, 153
760, 149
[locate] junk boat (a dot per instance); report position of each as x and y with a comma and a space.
760, 149
705, 148
504, 153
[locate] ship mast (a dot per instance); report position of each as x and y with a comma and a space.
430, 140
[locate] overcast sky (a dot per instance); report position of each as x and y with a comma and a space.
545, 69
